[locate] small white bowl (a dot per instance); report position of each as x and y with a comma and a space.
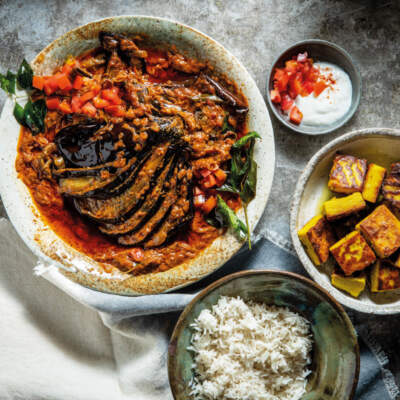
379, 145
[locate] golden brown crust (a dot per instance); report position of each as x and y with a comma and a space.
321, 238
347, 174
382, 229
352, 253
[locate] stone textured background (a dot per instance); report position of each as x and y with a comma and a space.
255, 31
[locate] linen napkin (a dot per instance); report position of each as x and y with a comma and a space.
52, 347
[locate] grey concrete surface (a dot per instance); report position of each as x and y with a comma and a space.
255, 31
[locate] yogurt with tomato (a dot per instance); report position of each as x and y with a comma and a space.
311, 93
332, 103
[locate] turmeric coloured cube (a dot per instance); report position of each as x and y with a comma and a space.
373, 182
352, 253
317, 237
347, 174
341, 207
350, 284
382, 230
391, 186
384, 277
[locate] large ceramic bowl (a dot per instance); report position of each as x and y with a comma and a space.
335, 358
43, 241
381, 146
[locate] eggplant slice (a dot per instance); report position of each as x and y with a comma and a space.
154, 223
121, 207
149, 207
180, 216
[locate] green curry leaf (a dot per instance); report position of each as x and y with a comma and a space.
230, 219
25, 75
245, 139
7, 82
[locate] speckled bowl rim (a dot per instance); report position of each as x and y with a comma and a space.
186, 273
346, 300
238, 275
293, 127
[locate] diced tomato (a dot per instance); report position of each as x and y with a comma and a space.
197, 191
295, 86
275, 96
65, 107
115, 110
220, 176
204, 172
281, 79
199, 200
111, 95
68, 66
209, 205
88, 96
52, 103
38, 82
286, 102
319, 87
76, 104
78, 82
89, 109
295, 115
308, 87
312, 75
291, 66
62, 81
100, 103
209, 182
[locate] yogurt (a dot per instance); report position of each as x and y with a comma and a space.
332, 103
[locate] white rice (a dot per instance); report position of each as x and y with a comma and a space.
249, 351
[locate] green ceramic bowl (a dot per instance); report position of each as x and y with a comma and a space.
335, 359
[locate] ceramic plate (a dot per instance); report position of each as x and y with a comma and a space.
381, 146
78, 267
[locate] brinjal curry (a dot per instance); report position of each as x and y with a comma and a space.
143, 158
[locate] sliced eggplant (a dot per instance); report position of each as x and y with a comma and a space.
180, 216
89, 171
153, 224
88, 186
121, 207
80, 150
149, 207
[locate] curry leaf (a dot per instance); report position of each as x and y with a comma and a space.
245, 139
7, 82
32, 115
19, 114
230, 219
25, 75
248, 190
226, 126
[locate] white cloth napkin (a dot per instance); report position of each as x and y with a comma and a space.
53, 348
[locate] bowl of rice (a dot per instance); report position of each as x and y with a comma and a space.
263, 335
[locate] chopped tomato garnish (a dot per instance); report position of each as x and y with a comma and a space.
281, 79
100, 103
286, 102
220, 176
111, 95
295, 115
296, 86
115, 110
209, 204
308, 87
209, 182
205, 172
63, 81
65, 107
88, 96
319, 87
78, 82
89, 109
52, 103
76, 104
292, 66
38, 82
275, 96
